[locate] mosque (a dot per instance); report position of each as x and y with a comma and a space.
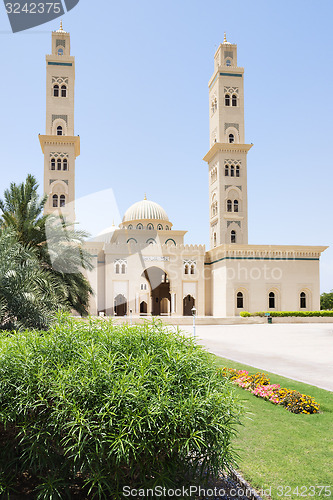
143, 266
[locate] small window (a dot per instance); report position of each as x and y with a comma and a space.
228, 62
231, 138
237, 171
232, 171
229, 206
62, 200
271, 300
63, 91
214, 239
234, 100
60, 52
123, 269
59, 130
130, 226
187, 271
139, 226
236, 206
233, 236
160, 227
226, 170
240, 300
56, 91
167, 228
150, 227
227, 100
65, 164
53, 164
58, 164
302, 299
192, 268
117, 269
55, 201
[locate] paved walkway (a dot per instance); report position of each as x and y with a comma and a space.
299, 351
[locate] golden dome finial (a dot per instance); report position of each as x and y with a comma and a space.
225, 38
145, 198
61, 25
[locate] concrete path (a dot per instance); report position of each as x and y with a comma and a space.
299, 351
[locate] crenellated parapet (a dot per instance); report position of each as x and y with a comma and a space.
263, 252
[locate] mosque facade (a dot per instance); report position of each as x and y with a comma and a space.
143, 266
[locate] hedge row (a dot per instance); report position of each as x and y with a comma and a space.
281, 314
259, 385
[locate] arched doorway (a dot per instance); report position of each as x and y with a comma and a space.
120, 305
143, 307
160, 290
188, 304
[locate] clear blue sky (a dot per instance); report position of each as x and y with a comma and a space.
142, 70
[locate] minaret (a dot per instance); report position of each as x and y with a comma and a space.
59, 145
228, 152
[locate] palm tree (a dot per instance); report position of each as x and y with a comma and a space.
57, 244
28, 293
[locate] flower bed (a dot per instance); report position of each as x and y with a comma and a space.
259, 385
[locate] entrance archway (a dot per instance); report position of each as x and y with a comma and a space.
143, 307
188, 304
120, 305
160, 290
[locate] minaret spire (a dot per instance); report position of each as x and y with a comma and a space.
225, 38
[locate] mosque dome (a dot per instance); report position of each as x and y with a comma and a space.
145, 210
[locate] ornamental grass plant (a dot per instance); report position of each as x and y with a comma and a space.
91, 407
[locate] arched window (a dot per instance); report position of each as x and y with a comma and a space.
234, 100
302, 300
53, 163
271, 300
60, 52
233, 236
232, 171
186, 269
228, 62
59, 130
117, 269
56, 91
62, 200
237, 171
150, 227
160, 227
139, 226
65, 164
192, 268
226, 170
231, 138
235, 205
123, 269
58, 164
214, 240
214, 208
63, 91
55, 201
227, 100
167, 228
240, 300
130, 226
229, 206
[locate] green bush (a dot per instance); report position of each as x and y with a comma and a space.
288, 313
93, 406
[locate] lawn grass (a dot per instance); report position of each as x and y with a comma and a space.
282, 449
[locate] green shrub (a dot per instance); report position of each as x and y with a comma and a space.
289, 313
94, 406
